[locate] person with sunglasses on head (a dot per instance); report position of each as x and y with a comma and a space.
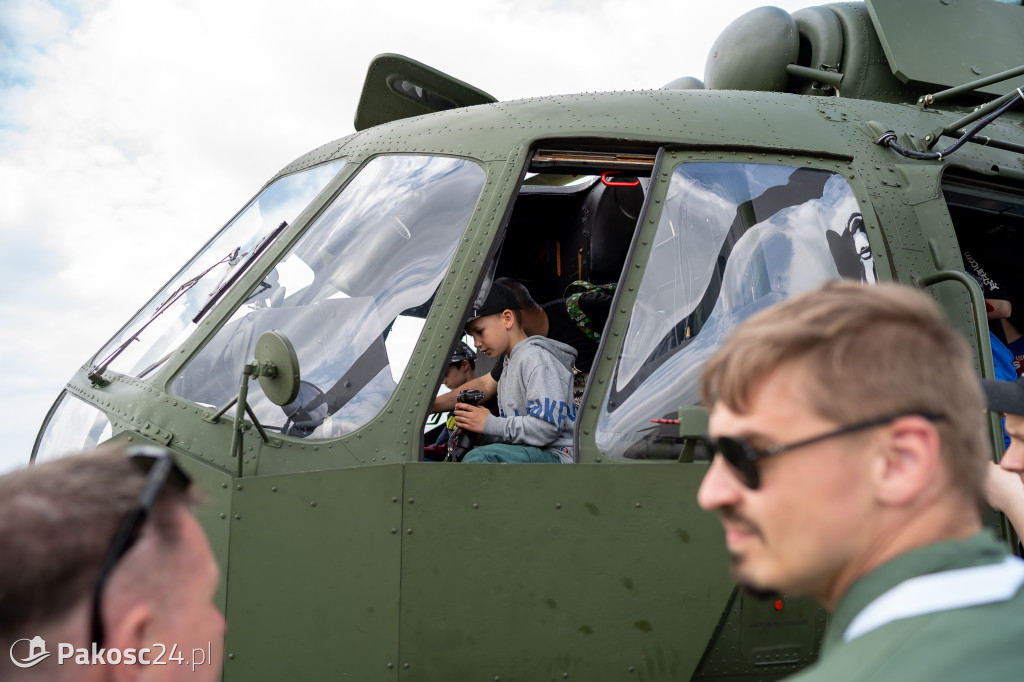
105, 572
849, 453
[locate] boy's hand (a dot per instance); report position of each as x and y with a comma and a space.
471, 417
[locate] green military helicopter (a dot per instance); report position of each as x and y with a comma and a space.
292, 363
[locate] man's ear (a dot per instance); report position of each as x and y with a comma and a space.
131, 631
907, 460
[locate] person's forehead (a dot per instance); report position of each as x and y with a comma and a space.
1015, 422
480, 324
779, 393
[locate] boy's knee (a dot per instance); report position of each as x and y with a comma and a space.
479, 455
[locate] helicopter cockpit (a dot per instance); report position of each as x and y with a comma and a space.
353, 293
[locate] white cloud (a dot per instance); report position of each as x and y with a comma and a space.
136, 129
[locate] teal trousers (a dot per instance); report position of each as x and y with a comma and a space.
503, 452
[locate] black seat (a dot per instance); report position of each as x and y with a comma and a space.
603, 232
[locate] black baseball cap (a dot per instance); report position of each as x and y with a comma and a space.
1006, 397
462, 352
499, 299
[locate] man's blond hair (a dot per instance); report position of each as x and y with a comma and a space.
868, 351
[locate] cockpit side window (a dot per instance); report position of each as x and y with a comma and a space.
351, 295
733, 238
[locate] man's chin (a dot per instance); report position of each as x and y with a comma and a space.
749, 586
760, 593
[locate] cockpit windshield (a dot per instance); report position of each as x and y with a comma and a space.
167, 320
352, 296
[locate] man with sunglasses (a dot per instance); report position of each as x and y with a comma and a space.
105, 574
849, 456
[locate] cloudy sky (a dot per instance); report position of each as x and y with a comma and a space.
131, 131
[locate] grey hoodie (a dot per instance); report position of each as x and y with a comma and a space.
535, 397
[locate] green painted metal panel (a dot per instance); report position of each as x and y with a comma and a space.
213, 512
213, 492
764, 639
314, 576
949, 43
538, 572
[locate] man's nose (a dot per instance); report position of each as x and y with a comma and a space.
720, 487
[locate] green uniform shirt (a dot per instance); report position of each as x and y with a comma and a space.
975, 642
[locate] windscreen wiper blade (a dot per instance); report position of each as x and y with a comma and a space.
260, 247
96, 372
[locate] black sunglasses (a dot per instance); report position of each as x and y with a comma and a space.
161, 468
742, 456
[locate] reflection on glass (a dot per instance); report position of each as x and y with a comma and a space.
75, 426
351, 295
733, 239
166, 321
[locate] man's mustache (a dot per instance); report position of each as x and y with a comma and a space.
732, 517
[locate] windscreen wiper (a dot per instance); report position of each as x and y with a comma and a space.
260, 247
96, 372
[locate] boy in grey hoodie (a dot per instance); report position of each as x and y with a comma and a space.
535, 400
